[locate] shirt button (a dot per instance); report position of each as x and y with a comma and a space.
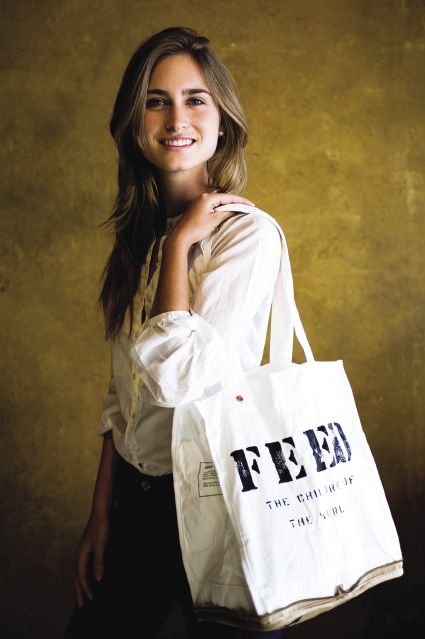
146, 485
132, 457
135, 375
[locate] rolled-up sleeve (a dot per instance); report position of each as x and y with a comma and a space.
111, 413
180, 354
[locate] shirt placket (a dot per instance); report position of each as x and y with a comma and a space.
136, 404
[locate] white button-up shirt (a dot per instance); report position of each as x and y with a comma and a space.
177, 356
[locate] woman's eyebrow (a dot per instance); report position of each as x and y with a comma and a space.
184, 92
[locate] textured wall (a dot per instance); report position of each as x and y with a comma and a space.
334, 91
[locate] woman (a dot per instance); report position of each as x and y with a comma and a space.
186, 286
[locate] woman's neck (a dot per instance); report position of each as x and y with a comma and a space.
178, 190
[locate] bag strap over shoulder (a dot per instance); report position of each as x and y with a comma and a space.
283, 306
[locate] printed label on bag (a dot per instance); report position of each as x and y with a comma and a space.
208, 484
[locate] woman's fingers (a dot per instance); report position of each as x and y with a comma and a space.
81, 582
222, 215
202, 217
229, 204
220, 199
213, 200
98, 562
91, 549
79, 592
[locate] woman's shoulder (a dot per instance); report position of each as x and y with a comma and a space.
249, 224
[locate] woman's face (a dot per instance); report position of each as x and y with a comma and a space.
182, 118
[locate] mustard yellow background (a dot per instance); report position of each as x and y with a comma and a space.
334, 91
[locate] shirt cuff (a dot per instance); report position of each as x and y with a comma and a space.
163, 318
104, 428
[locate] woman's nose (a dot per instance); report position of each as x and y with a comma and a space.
176, 119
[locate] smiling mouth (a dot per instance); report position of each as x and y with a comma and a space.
177, 142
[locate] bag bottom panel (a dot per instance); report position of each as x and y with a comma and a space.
301, 610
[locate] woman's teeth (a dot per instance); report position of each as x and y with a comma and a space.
186, 142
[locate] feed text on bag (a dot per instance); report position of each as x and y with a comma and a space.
330, 450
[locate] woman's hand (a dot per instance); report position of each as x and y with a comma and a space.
201, 218
95, 537
197, 223
91, 551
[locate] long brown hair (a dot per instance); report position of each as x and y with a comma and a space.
137, 217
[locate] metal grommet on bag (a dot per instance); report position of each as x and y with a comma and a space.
239, 398
146, 485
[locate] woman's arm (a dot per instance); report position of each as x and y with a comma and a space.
197, 223
96, 534
179, 354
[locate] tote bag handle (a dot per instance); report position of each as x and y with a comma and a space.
285, 316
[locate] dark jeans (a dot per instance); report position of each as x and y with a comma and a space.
144, 574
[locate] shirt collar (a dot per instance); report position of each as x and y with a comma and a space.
172, 221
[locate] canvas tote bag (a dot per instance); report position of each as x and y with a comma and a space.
280, 508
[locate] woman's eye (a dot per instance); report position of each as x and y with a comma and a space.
159, 102
154, 102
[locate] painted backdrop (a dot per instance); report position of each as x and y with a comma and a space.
334, 91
